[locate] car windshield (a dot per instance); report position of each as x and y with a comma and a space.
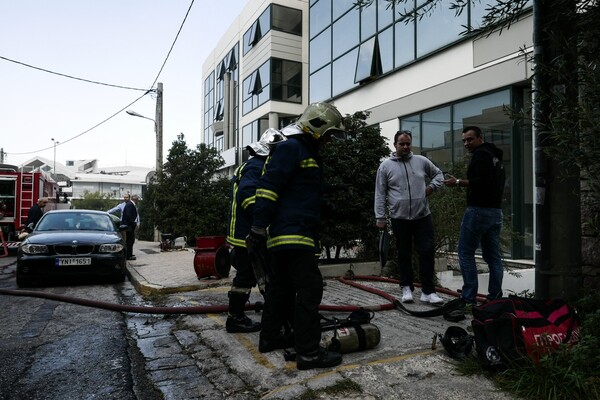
75, 222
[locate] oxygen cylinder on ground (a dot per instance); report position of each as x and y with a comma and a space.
351, 338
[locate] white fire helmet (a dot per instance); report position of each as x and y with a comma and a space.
269, 138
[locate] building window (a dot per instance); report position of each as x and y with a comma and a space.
276, 17
251, 133
209, 93
437, 134
276, 79
337, 28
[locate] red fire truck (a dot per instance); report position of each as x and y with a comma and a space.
19, 190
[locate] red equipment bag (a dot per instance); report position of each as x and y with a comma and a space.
509, 330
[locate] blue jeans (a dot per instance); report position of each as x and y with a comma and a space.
480, 225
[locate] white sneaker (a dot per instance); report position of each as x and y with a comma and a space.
432, 298
406, 294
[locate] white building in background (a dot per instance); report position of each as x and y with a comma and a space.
78, 177
425, 76
256, 77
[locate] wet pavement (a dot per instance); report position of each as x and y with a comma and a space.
191, 356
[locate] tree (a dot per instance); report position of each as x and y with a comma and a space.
350, 169
95, 201
188, 197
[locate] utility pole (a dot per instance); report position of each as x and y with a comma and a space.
159, 126
2, 155
558, 272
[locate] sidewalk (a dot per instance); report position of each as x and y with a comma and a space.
406, 364
154, 271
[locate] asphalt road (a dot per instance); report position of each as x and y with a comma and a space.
54, 350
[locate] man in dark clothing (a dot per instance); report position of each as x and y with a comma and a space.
482, 221
35, 212
240, 220
288, 203
129, 218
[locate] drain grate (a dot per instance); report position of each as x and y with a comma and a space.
150, 251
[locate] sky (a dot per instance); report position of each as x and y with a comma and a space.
115, 42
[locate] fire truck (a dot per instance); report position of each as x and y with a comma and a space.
19, 190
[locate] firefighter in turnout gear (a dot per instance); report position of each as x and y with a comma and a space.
288, 203
240, 220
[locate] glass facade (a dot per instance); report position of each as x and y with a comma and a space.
276, 17
276, 79
437, 134
376, 40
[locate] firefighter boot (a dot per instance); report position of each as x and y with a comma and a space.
237, 321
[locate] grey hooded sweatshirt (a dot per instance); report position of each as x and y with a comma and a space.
403, 181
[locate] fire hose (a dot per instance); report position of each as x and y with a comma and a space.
392, 303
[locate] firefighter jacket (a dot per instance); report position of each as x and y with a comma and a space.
244, 183
288, 195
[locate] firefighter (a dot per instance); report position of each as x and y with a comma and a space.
288, 202
240, 220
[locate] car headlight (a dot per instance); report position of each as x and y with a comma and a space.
111, 248
34, 248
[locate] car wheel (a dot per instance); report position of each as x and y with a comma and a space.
119, 278
23, 282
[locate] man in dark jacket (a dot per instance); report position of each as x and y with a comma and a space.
129, 218
35, 212
482, 221
288, 203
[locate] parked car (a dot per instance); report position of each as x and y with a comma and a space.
72, 243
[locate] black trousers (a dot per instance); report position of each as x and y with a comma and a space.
420, 233
244, 276
295, 293
129, 240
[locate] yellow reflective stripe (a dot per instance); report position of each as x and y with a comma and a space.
236, 242
233, 210
248, 201
267, 194
290, 239
309, 163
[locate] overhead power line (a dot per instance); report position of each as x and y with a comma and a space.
121, 109
69, 76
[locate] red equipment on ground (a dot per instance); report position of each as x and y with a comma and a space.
212, 257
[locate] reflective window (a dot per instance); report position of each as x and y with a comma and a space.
341, 6
345, 33
287, 19
343, 72
368, 22
368, 65
386, 50
385, 13
413, 124
439, 28
276, 79
320, 85
286, 80
258, 29
405, 43
436, 140
320, 16
208, 107
320, 50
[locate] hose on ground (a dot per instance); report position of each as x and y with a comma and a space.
223, 308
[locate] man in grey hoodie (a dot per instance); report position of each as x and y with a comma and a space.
405, 180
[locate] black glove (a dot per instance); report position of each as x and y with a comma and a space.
256, 244
256, 239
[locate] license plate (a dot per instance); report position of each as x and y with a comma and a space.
74, 261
